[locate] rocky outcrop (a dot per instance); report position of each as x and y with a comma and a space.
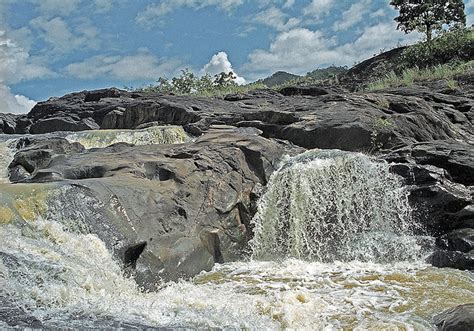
425, 132
311, 117
167, 211
459, 318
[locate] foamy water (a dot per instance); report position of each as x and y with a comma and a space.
59, 273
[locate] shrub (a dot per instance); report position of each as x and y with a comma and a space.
452, 46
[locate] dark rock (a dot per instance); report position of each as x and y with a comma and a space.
458, 240
438, 175
452, 259
101, 94
311, 117
36, 154
191, 203
459, 318
65, 123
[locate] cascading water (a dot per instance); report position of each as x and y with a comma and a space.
7, 152
152, 135
52, 269
333, 205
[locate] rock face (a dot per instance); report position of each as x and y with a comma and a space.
459, 318
198, 198
167, 211
311, 117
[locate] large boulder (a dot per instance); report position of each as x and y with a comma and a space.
167, 211
459, 318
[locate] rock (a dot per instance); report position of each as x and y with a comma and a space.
65, 123
438, 175
461, 240
452, 259
37, 153
311, 117
459, 318
167, 211
102, 94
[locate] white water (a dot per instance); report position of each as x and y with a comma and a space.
148, 136
7, 152
333, 205
66, 277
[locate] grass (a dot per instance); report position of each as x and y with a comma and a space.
410, 76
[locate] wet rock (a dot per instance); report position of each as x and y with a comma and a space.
452, 259
38, 153
459, 318
191, 203
458, 240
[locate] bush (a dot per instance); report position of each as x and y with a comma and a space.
188, 83
450, 47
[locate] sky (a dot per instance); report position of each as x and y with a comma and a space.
53, 47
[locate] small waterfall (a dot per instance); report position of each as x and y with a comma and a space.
148, 136
334, 205
7, 152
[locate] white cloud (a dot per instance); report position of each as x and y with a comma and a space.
57, 33
57, 7
15, 104
301, 50
139, 66
275, 18
220, 63
16, 64
155, 12
318, 8
353, 15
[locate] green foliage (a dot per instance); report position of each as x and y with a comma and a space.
206, 85
427, 16
452, 46
446, 72
278, 78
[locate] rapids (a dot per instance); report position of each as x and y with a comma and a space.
369, 274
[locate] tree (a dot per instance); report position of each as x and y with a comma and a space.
427, 16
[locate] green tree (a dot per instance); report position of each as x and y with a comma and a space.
427, 16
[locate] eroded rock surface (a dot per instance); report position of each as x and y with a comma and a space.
168, 211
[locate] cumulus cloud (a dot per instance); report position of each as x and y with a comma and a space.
154, 13
275, 18
139, 66
16, 104
318, 8
58, 34
301, 50
16, 64
220, 63
353, 15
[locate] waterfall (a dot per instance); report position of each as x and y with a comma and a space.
7, 152
149, 136
334, 205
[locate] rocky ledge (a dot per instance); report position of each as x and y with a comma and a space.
188, 206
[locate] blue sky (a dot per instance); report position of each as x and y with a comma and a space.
52, 47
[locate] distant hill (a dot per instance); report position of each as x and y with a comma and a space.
326, 73
278, 78
312, 77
